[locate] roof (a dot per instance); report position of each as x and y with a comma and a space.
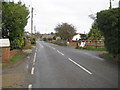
4, 43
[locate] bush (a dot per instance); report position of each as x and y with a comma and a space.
33, 40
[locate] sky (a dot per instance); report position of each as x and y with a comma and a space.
49, 13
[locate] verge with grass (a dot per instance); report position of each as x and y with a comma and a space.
92, 48
109, 57
14, 60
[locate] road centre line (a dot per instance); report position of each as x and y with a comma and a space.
80, 66
30, 87
32, 71
60, 52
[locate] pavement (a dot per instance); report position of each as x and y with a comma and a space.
15, 75
53, 66
0, 75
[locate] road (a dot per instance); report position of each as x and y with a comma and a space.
56, 66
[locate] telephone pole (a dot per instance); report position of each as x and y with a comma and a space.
35, 29
110, 5
119, 3
32, 20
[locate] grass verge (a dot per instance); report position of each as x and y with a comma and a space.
109, 57
14, 60
93, 48
30, 47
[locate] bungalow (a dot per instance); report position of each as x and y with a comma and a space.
76, 37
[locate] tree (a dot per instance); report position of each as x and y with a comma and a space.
95, 33
109, 23
65, 31
83, 36
14, 19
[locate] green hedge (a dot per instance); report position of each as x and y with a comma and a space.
109, 23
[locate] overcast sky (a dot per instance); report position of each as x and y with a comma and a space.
49, 13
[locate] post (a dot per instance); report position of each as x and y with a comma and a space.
110, 5
32, 20
119, 3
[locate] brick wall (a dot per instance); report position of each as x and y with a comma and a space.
88, 43
5, 54
14, 53
72, 44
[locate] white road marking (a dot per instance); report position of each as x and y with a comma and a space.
60, 52
79, 66
32, 71
30, 87
53, 48
33, 63
36, 50
94, 56
27, 66
34, 58
41, 45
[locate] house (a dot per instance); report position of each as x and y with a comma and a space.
48, 36
76, 37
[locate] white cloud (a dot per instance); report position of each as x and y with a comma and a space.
51, 12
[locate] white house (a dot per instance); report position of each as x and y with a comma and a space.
76, 37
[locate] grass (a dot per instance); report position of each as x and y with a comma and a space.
109, 56
29, 47
93, 48
16, 58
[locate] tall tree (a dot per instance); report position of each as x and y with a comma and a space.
65, 31
14, 19
109, 23
95, 33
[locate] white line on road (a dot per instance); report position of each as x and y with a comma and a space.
34, 58
60, 52
30, 87
79, 66
27, 66
53, 48
32, 71
33, 63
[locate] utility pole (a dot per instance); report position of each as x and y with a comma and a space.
110, 5
35, 29
119, 3
32, 20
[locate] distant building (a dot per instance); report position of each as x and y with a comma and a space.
48, 36
76, 37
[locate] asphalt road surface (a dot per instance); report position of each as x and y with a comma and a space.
56, 66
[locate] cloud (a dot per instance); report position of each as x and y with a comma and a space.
51, 12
